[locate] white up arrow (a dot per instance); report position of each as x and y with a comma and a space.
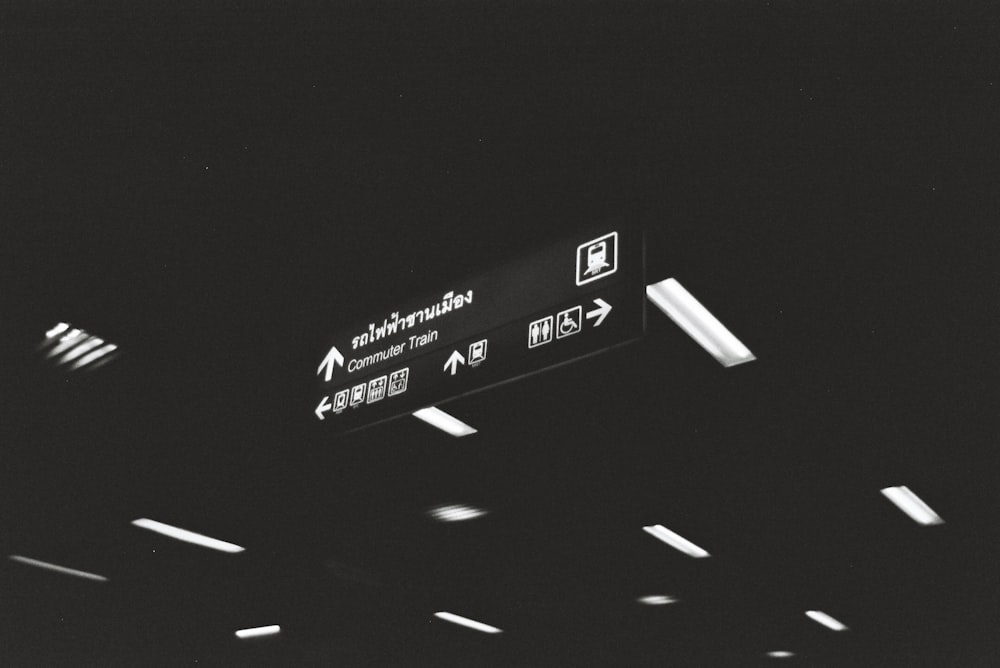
601, 312
323, 407
453, 361
332, 359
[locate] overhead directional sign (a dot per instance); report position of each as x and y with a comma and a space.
552, 305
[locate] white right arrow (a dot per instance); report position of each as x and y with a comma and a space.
332, 359
453, 361
323, 407
601, 312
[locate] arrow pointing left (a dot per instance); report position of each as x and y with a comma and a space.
323, 407
332, 359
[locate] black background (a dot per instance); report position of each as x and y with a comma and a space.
178, 180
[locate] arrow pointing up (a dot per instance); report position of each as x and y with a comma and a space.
332, 359
453, 361
323, 407
601, 312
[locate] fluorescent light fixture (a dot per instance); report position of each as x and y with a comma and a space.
780, 654
912, 505
466, 622
258, 631
675, 541
187, 536
657, 599
671, 298
826, 620
58, 569
88, 344
66, 341
447, 423
455, 513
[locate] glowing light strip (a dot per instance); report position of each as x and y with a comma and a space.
912, 505
826, 620
90, 357
446, 423
688, 313
466, 622
675, 541
657, 599
780, 654
58, 569
89, 344
187, 536
57, 330
67, 341
258, 631
456, 513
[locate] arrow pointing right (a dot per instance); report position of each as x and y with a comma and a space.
323, 407
601, 312
453, 361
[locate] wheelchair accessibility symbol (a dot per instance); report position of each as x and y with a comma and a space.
569, 322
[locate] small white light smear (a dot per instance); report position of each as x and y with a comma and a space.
90, 357
912, 505
826, 620
57, 330
187, 536
258, 631
657, 599
780, 654
446, 423
58, 569
675, 541
455, 513
468, 623
688, 313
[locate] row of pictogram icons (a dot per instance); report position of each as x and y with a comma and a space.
565, 323
369, 392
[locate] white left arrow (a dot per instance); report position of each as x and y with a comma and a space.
332, 359
453, 361
323, 407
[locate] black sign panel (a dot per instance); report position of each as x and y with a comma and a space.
569, 300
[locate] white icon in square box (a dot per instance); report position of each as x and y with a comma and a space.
569, 322
477, 352
540, 332
340, 400
397, 381
597, 258
358, 394
376, 389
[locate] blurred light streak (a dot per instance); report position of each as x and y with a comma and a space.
187, 536
58, 569
912, 505
90, 357
657, 599
466, 622
455, 513
258, 631
675, 541
826, 620
446, 423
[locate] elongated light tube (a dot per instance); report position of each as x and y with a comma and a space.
455, 513
258, 631
688, 313
58, 569
675, 541
88, 344
826, 620
466, 622
912, 505
656, 599
187, 536
90, 357
446, 423
58, 329
780, 654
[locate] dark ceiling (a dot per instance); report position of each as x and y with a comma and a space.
211, 189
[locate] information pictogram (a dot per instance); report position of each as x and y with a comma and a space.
358, 394
398, 380
597, 258
376, 389
477, 352
340, 400
540, 332
569, 322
